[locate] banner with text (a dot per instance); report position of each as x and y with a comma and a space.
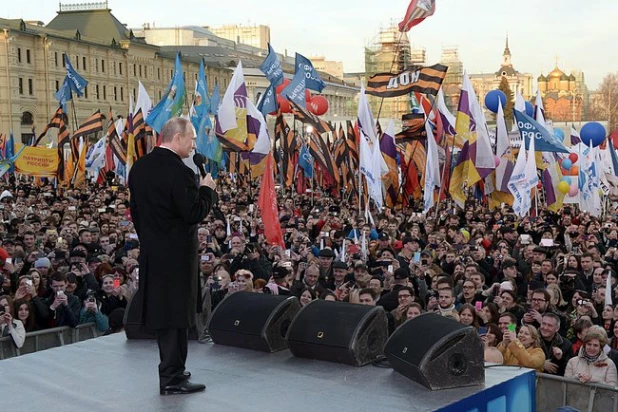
37, 161
425, 80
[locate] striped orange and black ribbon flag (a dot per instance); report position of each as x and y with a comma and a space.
92, 125
425, 80
140, 133
59, 120
322, 156
319, 125
351, 141
289, 148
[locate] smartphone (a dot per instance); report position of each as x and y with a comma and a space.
251, 208
208, 239
205, 258
417, 257
512, 327
482, 330
102, 210
28, 282
71, 208
390, 269
133, 236
9, 261
288, 253
478, 305
116, 283
525, 239
547, 242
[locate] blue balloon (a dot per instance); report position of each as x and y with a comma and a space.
567, 164
567, 179
492, 98
559, 134
592, 132
529, 109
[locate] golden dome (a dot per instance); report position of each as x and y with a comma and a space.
556, 73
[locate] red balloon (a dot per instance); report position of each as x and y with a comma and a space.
539, 185
573, 158
318, 105
280, 88
614, 137
307, 95
284, 104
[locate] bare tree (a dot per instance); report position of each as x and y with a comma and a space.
606, 103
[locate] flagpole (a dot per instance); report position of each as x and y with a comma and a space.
398, 46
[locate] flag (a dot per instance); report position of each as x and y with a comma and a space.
271, 67
532, 179
143, 102
432, 171
425, 80
352, 142
95, 159
267, 202
92, 125
518, 185
215, 100
295, 90
313, 81
235, 96
10, 150
9, 162
575, 138
322, 156
80, 174
58, 121
76, 82
613, 156
503, 151
448, 123
63, 95
417, 11
257, 131
268, 101
201, 101
389, 152
545, 142
288, 147
589, 200
551, 177
172, 101
302, 115
305, 161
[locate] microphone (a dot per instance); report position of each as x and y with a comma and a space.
199, 160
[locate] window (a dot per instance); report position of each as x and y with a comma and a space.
56, 59
171, 74
115, 93
103, 65
158, 73
30, 87
57, 85
159, 94
27, 138
21, 86
27, 119
19, 54
63, 58
77, 62
86, 91
96, 65
84, 64
104, 92
140, 70
120, 68
97, 91
134, 70
114, 68
134, 92
122, 94
28, 56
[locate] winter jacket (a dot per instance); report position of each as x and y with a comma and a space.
517, 355
602, 371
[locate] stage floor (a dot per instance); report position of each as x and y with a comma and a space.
113, 374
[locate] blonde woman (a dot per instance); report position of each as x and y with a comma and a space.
556, 296
523, 349
592, 365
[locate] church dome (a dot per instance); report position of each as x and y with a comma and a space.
572, 78
542, 78
556, 73
564, 77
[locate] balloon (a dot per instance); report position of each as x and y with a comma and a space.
574, 190
284, 104
574, 171
307, 95
566, 179
282, 86
567, 164
529, 109
563, 187
497, 160
601, 192
559, 134
614, 137
592, 132
492, 98
573, 157
318, 105
539, 185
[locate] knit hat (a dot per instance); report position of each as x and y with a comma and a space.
42, 263
465, 234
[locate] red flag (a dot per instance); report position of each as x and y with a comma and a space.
418, 10
267, 202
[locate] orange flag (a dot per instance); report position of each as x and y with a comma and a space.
267, 202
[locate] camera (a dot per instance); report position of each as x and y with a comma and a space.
582, 302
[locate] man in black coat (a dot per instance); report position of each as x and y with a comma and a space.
166, 206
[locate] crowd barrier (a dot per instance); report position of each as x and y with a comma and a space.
47, 339
555, 391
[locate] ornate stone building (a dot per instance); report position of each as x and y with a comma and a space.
565, 97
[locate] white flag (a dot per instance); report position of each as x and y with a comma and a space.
432, 170
227, 110
532, 178
518, 185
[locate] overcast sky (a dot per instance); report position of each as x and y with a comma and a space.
581, 33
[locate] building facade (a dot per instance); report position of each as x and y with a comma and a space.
565, 97
451, 86
255, 36
333, 68
518, 82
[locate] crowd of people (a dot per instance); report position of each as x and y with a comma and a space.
533, 288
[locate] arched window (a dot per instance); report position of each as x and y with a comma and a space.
27, 119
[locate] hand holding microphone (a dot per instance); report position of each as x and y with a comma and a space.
206, 179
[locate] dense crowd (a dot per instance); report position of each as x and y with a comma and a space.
534, 288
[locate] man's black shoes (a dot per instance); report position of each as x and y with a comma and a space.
182, 388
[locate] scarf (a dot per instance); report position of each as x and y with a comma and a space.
590, 359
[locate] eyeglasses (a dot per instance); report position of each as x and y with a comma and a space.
405, 296
538, 300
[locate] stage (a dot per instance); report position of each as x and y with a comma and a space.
113, 374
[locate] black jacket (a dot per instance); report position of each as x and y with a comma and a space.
166, 206
564, 345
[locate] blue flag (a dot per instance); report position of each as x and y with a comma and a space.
201, 101
545, 142
63, 95
172, 102
76, 82
215, 100
612, 152
10, 151
312, 78
305, 161
268, 101
271, 67
295, 91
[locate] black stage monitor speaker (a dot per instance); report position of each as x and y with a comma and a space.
437, 352
253, 321
133, 327
338, 332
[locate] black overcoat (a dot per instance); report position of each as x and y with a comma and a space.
166, 206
